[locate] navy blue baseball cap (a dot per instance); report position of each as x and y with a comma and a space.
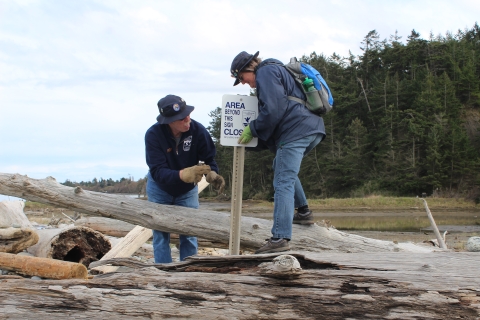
172, 108
239, 63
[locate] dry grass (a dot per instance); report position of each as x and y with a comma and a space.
380, 202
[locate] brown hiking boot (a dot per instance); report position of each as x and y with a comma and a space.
274, 246
303, 217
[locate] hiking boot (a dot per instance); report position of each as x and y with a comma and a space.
274, 246
303, 217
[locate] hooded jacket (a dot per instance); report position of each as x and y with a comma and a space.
165, 158
279, 119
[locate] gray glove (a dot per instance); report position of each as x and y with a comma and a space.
216, 180
194, 174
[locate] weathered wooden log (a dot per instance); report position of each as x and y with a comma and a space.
75, 244
145, 250
388, 285
15, 240
206, 224
119, 229
16, 231
12, 215
42, 267
106, 226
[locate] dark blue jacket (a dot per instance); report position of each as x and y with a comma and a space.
165, 159
280, 119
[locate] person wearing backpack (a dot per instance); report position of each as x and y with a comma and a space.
289, 129
175, 146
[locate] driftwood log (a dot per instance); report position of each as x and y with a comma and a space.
118, 228
75, 244
206, 224
12, 215
389, 285
42, 267
16, 231
106, 226
145, 251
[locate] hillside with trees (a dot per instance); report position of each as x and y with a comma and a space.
124, 185
405, 121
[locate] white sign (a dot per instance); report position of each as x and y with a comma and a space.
237, 112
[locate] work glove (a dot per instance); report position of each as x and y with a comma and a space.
216, 180
194, 174
246, 136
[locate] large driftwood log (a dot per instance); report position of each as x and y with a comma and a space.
75, 244
206, 224
392, 285
16, 231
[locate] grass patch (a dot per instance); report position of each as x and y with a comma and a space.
36, 206
399, 223
380, 202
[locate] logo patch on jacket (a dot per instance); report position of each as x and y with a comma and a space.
169, 150
187, 143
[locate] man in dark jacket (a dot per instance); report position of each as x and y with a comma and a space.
289, 129
174, 148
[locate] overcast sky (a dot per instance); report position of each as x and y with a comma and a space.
80, 79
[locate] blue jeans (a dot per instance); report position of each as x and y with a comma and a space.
299, 197
161, 240
288, 189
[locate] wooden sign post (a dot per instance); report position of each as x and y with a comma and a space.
237, 192
237, 112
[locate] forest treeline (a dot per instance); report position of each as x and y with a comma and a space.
124, 185
405, 121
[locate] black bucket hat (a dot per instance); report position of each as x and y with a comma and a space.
239, 63
172, 108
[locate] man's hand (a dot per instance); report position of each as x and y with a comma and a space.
194, 174
216, 181
246, 136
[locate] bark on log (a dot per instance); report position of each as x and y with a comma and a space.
75, 244
42, 267
16, 231
332, 286
206, 224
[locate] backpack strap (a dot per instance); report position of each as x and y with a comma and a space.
292, 60
297, 100
265, 64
